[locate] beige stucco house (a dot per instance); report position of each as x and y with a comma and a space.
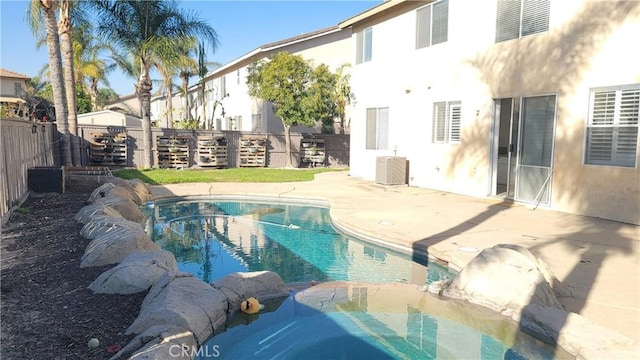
531, 101
12, 92
228, 105
126, 104
109, 118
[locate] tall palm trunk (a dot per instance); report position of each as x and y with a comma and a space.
169, 103
55, 72
185, 98
66, 47
93, 94
143, 90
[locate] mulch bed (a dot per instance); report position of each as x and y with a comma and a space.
46, 310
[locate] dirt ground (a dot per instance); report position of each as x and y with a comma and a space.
46, 310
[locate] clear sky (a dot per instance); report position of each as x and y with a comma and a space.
242, 26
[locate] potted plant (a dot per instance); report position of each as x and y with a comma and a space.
312, 150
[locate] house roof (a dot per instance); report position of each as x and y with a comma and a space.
388, 4
12, 74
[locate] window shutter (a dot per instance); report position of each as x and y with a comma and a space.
440, 22
599, 145
439, 122
604, 106
455, 117
423, 27
371, 128
629, 107
535, 16
508, 22
383, 128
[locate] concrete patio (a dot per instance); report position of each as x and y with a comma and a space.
598, 260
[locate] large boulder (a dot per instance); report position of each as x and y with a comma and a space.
185, 301
136, 273
124, 205
160, 342
109, 249
89, 212
261, 285
107, 224
504, 278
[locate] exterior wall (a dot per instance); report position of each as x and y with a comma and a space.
580, 51
333, 49
10, 96
129, 103
109, 118
7, 86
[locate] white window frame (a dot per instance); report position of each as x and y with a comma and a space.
429, 20
377, 128
532, 18
447, 122
613, 120
364, 45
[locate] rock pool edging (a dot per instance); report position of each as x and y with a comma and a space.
180, 312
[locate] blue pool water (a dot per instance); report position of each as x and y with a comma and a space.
214, 238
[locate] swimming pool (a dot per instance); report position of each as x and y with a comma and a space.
214, 238
369, 303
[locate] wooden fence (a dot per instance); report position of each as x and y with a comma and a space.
24, 145
336, 146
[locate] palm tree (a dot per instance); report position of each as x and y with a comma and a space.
45, 10
140, 27
66, 48
171, 58
90, 68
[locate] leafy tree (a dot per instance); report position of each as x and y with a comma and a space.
321, 104
284, 80
105, 95
140, 28
342, 93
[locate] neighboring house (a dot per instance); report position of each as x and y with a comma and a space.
535, 101
109, 118
226, 88
12, 92
127, 104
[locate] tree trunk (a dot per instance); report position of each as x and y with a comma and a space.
55, 72
204, 107
144, 95
66, 47
93, 93
287, 146
185, 98
169, 108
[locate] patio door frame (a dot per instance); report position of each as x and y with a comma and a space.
515, 184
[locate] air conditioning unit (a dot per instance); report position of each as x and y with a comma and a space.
391, 170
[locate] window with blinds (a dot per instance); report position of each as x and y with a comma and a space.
377, 129
517, 18
612, 128
432, 24
447, 122
364, 43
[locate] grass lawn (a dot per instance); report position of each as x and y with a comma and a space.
172, 176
